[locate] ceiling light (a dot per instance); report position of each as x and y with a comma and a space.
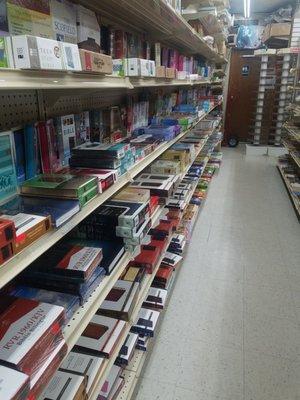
247, 8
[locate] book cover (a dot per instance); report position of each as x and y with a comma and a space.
69, 302
55, 147
109, 383
82, 128
20, 387
83, 364
66, 136
64, 20
27, 329
127, 349
29, 17
65, 386
19, 150
43, 147
156, 298
8, 177
101, 336
6, 56
146, 322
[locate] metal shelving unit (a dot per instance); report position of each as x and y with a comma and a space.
16, 79
18, 263
158, 20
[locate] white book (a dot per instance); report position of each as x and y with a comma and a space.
63, 386
8, 390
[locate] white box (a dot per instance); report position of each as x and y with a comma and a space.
132, 67
71, 56
252, 150
31, 52
145, 67
182, 75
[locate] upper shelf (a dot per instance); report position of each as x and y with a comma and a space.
14, 79
158, 20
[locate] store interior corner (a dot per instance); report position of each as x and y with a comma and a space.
149, 200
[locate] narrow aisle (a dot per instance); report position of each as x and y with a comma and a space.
231, 331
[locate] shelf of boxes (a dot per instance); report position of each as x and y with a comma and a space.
133, 372
19, 262
158, 20
17, 79
295, 199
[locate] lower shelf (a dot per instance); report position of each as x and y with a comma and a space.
294, 199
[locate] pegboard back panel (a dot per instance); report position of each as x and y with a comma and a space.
58, 103
18, 108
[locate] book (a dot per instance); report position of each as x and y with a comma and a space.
148, 258
127, 350
86, 365
146, 322
8, 187
28, 330
3, 19
112, 379
163, 276
6, 54
132, 194
69, 302
7, 232
133, 274
31, 151
19, 154
65, 386
82, 127
61, 186
156, 298
101, 336
29, 227
120, 301
29, 17
19, 390
95, 149
66, 136
48, 368
64, 20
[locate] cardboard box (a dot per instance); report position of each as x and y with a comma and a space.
145, 67
96, 62
170, 73
160, 72
32, 52
276, 30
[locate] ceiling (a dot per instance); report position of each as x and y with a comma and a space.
259, 6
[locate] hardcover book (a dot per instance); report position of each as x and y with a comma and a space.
7, 232
147, 258
95, 149
163, 276
126, 213
156, 298
28, 329
8, 178
120, 301
56, 185
146, 322
132, 194
127, 349
82, 127
101, 336
65, 386
69, 302
48, 369
110, 382
19, 155
31, 151
133, 274
86, 365
19, 390
66, 136
88, 30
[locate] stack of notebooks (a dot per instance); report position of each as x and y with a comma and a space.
35, 352
67, 268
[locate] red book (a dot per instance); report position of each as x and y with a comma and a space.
28, 330
148, 258
44, 146
120, 44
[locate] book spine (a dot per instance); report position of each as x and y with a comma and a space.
31, 151
19, 155
44, 147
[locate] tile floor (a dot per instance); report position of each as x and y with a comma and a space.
232, 329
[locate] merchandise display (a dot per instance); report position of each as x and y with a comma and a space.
100, 187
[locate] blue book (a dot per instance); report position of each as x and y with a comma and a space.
68, 301
60, 210
31, 151
20, 155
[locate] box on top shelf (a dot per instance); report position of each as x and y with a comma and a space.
6, 54
30, 17
64, 20
96, 62
88, 30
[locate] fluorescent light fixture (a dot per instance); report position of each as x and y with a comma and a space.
247, 8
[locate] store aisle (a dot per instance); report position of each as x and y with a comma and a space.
231, 331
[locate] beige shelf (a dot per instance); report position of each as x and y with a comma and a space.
16, 79
158, 21
295, 200
18, 263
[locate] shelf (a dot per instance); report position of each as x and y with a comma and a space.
290, 148
17, 79
158, 21
294, 199
293, 131
19, 262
